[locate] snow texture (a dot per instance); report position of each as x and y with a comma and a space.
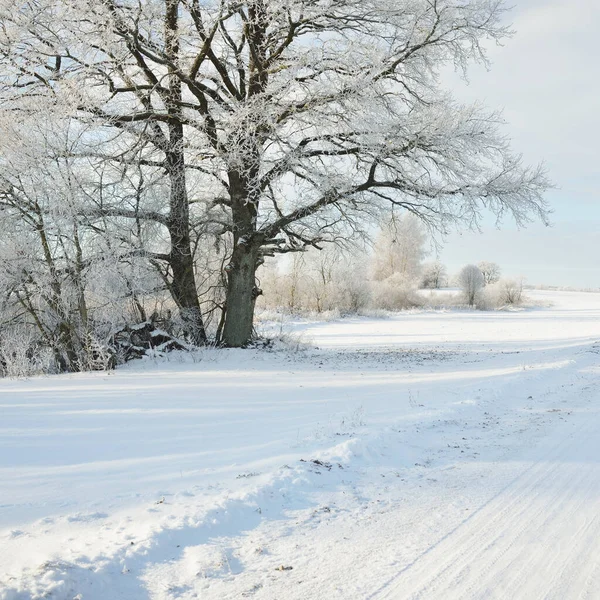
434, 455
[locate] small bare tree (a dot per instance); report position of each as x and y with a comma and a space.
334, 278
470, 280
511, 290
490, 271
434, 275
399, 248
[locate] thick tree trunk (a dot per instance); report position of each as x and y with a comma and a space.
183, 290
241, 272
67, 351
241, 297
183, 286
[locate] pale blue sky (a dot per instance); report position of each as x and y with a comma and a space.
547, 80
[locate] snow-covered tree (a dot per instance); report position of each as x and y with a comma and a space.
433, 275
277, 125
490, 271
399, 248
470, 281
317, 280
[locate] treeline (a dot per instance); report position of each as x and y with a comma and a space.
70, 309
390, 274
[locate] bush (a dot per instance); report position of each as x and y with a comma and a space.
511, 291
397, 292
506, 292
22, 356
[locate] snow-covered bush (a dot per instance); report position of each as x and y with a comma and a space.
316, 282
396, 292
511, 290
355, 295
441, 299
505, 292
22, 356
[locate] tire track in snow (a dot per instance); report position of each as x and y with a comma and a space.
559, 542
537, 538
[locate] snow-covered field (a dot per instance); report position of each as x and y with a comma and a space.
447, 455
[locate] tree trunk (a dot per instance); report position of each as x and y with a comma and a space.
67, 350
183, 289
241, 297
183, 286
241, 271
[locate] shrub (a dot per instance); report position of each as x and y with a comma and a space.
395, 293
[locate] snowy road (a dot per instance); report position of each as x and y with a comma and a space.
433, 455
539, 538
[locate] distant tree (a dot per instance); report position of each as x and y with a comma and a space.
321, 277
490, 271
399, 248
317, 280
434, 275
470, 280
511, 290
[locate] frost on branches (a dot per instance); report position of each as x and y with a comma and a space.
240, 130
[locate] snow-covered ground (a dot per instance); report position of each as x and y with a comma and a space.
447, 455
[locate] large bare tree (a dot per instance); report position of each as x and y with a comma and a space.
299, 119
